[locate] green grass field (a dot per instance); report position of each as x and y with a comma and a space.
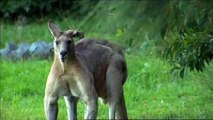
150, 91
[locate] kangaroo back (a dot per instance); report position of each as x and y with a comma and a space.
113, 46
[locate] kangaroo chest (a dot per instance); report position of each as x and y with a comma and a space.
68, 85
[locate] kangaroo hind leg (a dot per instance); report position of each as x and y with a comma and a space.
114, 86
121, 112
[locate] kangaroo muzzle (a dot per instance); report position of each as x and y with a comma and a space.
63, 55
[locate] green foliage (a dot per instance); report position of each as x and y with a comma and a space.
25, 9
190, 36
192, 50
11, 8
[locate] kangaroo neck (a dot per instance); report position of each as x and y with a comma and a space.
68, 62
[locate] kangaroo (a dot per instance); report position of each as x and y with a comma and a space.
86, 70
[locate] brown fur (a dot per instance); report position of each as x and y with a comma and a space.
89, 70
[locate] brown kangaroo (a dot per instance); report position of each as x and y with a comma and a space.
87, 70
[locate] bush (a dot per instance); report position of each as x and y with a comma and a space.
12, 9
190, 37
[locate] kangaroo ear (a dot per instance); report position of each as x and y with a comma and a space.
56, 32
78, 34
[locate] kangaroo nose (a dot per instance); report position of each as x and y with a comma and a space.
63, 53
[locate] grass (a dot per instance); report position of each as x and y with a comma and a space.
16, 33
150, 91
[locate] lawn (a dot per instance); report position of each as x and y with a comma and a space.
150, 91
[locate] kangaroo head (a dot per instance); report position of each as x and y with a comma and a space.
63, 41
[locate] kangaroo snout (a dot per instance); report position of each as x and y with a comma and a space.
63, 55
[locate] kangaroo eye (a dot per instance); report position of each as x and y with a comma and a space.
69, 41
56, 42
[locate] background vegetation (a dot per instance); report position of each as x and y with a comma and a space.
160, 37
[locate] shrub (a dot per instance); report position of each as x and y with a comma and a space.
12, 9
